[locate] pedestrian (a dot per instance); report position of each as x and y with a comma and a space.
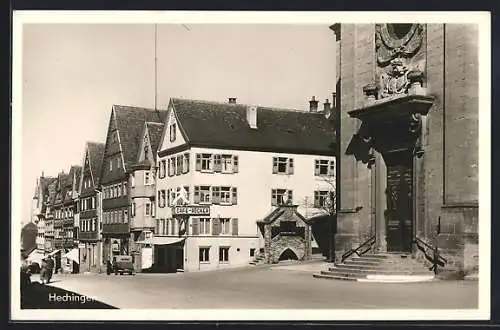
43, 271
109, 267
50, 268
25, 274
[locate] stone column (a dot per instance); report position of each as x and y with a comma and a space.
308, 246
267, 243
381, 202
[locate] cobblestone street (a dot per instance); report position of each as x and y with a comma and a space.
262, 287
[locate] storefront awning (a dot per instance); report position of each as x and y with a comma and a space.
54, 252
158, 240
36, 256
73, 255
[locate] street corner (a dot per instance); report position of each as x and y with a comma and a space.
39, 296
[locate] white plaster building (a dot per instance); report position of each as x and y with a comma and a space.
242, 162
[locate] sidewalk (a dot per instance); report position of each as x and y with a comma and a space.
313, 266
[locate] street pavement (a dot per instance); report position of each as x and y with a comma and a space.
265, 287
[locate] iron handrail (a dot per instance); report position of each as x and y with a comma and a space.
437, 259
349, 253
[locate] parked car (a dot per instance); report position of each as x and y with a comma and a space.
123, 265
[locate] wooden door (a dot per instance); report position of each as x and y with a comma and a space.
399, 214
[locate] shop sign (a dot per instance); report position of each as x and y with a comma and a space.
191, 210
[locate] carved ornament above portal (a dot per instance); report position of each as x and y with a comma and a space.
400, 67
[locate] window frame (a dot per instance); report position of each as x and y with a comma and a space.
204, 258
148, 175
224, 255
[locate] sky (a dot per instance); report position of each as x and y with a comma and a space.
73, 73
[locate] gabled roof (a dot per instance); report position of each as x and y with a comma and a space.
154, 131
95, 154
130, 123
224, 125
43, 183
279, 211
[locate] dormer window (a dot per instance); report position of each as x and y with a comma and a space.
173, 132
111, 164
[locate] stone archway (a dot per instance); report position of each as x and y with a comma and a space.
288, 254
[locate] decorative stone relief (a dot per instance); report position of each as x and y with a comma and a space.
400, 67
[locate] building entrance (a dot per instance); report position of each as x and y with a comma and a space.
399, 213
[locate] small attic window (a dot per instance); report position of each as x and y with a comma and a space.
173, 132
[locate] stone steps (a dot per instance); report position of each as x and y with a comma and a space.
383, 267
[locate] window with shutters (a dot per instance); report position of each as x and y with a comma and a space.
160, 227
202, 194
125, 216
185, 163
204, 254
320, 198
186, 189
282, 165
217, 163
171, 165
223, 254
216, 195
225, 195
204, 226
162, 169
281, 197
204, 162
324, 167
234, 229
227, 163
225, 226
174, 230
179, 165
168, 227
147, 209
161, 198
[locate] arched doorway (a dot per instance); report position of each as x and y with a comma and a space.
288, 254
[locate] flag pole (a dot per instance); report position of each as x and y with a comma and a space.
156, 74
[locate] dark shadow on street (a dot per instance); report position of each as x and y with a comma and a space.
37, 296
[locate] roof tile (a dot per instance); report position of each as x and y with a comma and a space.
280, 130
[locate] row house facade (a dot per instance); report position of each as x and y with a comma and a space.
65, 216
241, 162
48, 212
89, 206
120, 155
142, 183
39, 209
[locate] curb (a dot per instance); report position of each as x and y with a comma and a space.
397, 278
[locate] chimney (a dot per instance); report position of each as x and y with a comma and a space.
313, 105
252, 116
327, 110
334, 111
232, 100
